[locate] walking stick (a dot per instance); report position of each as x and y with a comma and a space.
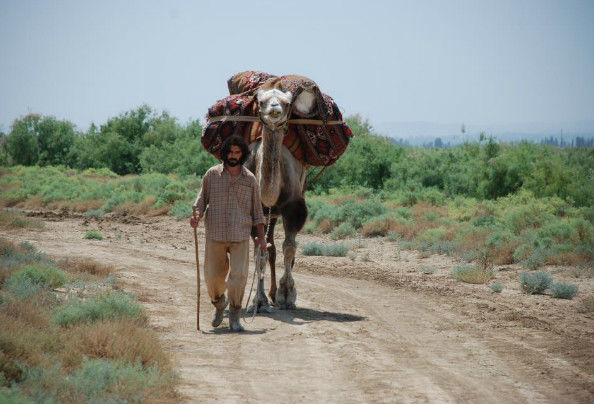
197, 274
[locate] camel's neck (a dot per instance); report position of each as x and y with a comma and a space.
270, 164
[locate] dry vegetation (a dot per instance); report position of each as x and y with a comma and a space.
107, 345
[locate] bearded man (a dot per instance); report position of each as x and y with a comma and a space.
230, 199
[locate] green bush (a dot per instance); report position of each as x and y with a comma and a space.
496, 286
93, 235
42, 276
181, 209
23, 288
433, 235
561, 290
332, 250
342, 231
471, 274
535, 283
98, 380
14, 396
536, 259
109, 305
98, 213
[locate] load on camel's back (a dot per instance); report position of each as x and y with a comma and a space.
316, 134
290, 125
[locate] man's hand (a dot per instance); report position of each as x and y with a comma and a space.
194, 220
261, 242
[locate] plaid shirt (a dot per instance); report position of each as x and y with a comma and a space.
233, 204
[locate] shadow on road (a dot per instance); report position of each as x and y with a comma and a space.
304, 315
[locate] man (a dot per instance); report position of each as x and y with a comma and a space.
230, 197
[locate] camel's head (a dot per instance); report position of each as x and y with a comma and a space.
274, 106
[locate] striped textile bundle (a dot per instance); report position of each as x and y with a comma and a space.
317, 145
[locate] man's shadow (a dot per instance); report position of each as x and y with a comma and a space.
298, 316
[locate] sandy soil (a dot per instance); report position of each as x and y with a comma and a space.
369, 328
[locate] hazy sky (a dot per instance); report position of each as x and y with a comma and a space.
434, 61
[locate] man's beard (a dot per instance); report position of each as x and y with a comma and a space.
231, 163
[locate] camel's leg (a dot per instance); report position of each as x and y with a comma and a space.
286, 295
294, 215
271, 259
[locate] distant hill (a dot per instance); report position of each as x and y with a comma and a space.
420, 133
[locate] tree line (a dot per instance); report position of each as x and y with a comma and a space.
143, 140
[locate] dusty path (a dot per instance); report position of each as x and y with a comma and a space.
368, 330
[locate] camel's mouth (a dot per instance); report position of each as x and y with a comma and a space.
274, 113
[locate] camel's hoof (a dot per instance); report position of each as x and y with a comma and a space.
286, 298
260, 308
288, 306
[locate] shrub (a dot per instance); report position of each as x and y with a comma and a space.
332, 250
119, 340
378, 226
471, 274
85, 265
18, 221
433, 235
93, 235
342, 231
22, 288
561, 290
357, 213
496, 286
443, 247
535, 283
13, 396
108, 305
536, 259
427, 270
181, 209
42, 276
393, 236
98, 213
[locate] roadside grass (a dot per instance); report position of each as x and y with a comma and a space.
496, 286
16, 220
561, 290
111, 305
471, 274
535, 283
520, 227
93, 235
86, 266
330, 250
58, 348
94, 191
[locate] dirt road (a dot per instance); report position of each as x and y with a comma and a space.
369, 328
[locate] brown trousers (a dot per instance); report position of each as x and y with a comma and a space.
219, 257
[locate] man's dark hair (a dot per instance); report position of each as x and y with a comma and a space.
235, 141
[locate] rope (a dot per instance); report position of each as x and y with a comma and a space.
246, 118
260, 260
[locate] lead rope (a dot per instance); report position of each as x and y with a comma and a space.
260, 260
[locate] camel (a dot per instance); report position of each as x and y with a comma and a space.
282, 185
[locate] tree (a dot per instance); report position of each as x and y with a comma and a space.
22, 145
55, 139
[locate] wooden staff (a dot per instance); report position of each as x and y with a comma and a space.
197, 273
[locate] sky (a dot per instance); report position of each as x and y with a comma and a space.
448, 62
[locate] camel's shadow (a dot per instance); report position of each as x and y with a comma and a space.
303, 315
